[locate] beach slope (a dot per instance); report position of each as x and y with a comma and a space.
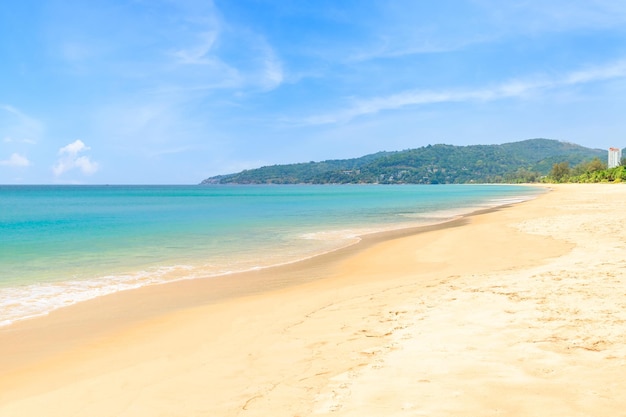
517, 311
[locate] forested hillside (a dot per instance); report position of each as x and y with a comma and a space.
524, 161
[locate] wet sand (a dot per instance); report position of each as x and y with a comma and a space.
516, 311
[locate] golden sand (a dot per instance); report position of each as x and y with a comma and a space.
519, 311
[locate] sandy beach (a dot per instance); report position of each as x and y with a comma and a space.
519, 311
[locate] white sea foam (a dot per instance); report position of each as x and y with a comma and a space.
28, 301
436, 216
35, 300
511, 200
334, 235
418, 219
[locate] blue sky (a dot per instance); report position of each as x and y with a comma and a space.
159, 91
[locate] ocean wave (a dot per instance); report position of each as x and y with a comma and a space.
28, 301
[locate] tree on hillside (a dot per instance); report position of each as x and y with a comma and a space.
560, 171
595, 165
592, 166
587, 172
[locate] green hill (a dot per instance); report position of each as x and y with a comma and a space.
433, 164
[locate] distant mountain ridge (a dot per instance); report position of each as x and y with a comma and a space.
433, 164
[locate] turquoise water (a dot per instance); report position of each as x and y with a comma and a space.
63, 244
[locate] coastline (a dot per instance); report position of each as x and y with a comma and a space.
351, 335
38, 279
111, 312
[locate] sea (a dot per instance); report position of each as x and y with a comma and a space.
60, 245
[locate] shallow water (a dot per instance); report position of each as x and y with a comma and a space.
63, 244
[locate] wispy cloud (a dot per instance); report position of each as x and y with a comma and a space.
272, 73
11, 140
208, 64
18, 127
171, 151
396, 48
143, 122
487, 21
176, 47
607, 72
199, 69
511, 89
11, 109
70, 158
198, 54
537, 16
16, 160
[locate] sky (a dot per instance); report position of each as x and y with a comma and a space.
175, 91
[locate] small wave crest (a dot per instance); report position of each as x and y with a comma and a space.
434, 216
28, 301
333, 235
510, 200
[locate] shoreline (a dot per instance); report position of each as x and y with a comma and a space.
383, 233
189, 293
402, 325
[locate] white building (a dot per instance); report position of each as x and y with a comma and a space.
615, 157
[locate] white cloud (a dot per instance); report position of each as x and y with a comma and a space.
16, 160
86, 165
74, 148
69, 159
